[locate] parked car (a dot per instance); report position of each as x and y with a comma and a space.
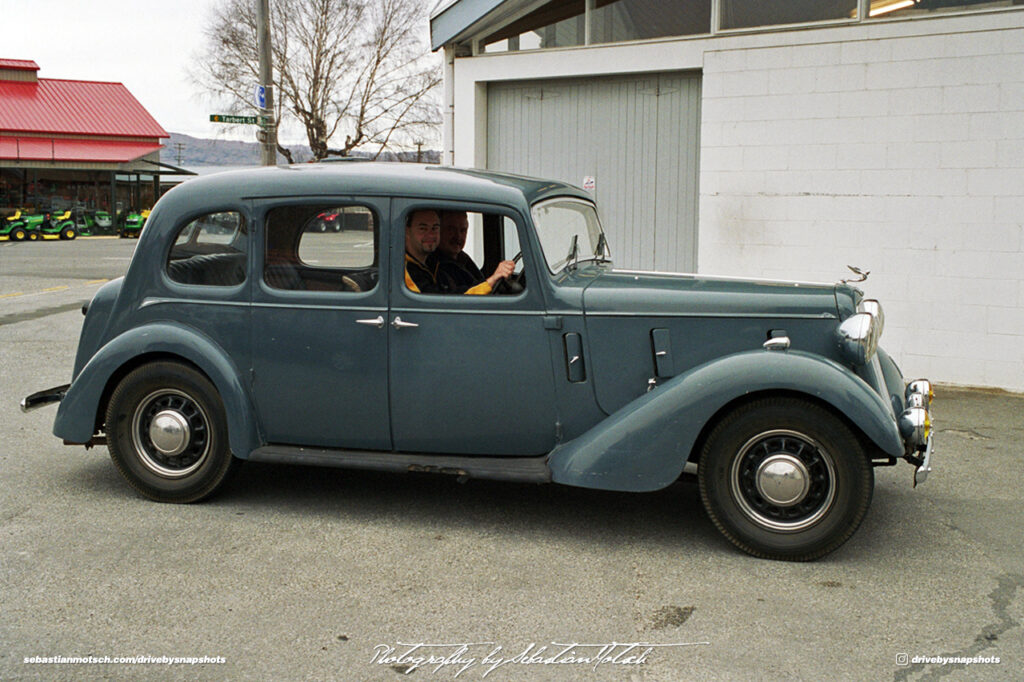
238, 342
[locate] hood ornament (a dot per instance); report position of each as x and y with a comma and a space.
861, 275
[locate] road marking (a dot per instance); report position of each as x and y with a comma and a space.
50, 290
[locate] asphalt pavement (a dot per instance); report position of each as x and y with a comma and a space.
297, 573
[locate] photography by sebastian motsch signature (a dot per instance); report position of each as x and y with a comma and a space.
488, 656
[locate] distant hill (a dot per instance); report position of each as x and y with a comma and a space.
196, 151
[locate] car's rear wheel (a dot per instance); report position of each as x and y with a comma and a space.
167, 433
785, 479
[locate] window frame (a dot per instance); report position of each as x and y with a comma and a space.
315, 205
191, 217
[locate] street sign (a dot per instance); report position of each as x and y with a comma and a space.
228, 118
259, 97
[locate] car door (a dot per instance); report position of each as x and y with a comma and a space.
469, 374
319, 307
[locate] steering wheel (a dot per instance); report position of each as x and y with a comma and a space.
513, 284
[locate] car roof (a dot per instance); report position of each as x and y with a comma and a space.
381, 179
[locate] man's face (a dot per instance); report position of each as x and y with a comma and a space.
422, 234
454, 227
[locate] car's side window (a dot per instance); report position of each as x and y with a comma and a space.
456, 252
321, 248
210, 250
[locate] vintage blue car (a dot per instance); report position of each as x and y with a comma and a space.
238, 333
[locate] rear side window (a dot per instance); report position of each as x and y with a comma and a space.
210, 250
321, 248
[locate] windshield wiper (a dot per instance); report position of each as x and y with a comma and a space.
570, 259
602, 249
574, 252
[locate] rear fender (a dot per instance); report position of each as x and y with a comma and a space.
78, 411
645, 445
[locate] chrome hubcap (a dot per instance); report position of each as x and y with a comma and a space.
783, 481
169, 432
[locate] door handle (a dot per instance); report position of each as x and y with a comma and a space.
397, 323
377, 322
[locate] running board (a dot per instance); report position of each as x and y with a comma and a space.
523, 469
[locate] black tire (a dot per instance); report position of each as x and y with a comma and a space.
18, 234
192, 458
68, 233
785, 479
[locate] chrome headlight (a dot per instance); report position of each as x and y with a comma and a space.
920, 393
859, 334
915, 424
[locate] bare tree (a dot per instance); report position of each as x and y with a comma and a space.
351, 69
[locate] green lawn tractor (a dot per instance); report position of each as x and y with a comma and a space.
61, 226
22, 226
133, 224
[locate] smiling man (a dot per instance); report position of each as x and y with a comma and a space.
422, 237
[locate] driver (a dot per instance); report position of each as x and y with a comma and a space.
422, 234
454, 266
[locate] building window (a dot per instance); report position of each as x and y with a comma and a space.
564, 23
554, 24
621, 20
756, 13
917, 8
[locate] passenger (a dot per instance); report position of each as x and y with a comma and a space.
422, 235
455, 267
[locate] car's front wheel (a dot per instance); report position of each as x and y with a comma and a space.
785, 479
167, 433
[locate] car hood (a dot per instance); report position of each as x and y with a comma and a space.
654, 293
696, 320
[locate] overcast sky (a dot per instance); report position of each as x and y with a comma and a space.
145, 44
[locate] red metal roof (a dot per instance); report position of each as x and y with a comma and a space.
19, 64
57, 149
53, 106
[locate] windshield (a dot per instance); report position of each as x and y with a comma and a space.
569, 232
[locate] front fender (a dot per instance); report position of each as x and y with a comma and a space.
644, 446
76, 416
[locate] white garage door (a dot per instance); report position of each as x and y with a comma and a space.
636, 136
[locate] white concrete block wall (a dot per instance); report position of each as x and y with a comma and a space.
896, 146
901, 155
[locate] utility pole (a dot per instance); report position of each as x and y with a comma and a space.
268, 129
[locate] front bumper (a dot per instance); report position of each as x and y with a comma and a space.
925, 467
44, 398
915, 425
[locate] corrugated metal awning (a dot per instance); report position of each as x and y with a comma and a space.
63, 150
